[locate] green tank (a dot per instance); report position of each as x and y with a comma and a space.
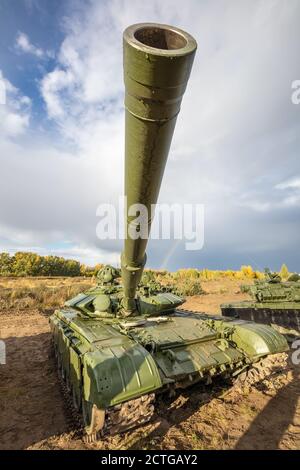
125, 340
274, 303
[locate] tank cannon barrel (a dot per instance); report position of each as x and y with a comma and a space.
157, 64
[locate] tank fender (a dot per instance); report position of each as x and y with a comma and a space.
258, 340
115, 374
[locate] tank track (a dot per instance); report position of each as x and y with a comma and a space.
114, 420
139, 411
264, 373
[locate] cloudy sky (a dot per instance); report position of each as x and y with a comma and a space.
236, 144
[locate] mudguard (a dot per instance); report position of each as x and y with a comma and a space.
116, 374
111, 367
258, 340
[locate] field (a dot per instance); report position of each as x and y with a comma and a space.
33, 412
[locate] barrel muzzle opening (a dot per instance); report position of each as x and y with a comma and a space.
160, 38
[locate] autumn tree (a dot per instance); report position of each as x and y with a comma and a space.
284, 272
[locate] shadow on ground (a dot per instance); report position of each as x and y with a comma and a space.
31, 404
270, 425
173, 412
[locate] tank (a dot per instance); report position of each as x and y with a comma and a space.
274, 303
124, 341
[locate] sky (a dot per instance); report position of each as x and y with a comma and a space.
235, 148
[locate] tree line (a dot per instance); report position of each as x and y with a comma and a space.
32, 264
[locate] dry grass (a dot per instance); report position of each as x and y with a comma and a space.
50, 292
29, 293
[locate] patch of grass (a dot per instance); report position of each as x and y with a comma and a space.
223, 290
190, 287
40, 295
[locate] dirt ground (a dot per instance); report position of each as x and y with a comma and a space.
33, 413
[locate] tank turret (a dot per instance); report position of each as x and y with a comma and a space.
270, 291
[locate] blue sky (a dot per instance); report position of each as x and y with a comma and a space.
235, 149
41, 22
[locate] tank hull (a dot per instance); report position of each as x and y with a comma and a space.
285, 318
111, 368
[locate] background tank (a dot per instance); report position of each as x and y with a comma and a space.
275, 303
120, 343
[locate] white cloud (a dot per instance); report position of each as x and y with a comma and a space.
256, 205
13, 124
15, 113
290, 184
291, 191
236, 142
81, 253
52, 84
89, 256
291, 201
24, 45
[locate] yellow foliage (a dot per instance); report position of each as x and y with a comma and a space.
284, 272
246, 272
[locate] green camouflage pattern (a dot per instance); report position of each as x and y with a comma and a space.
115, 360
274, 302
